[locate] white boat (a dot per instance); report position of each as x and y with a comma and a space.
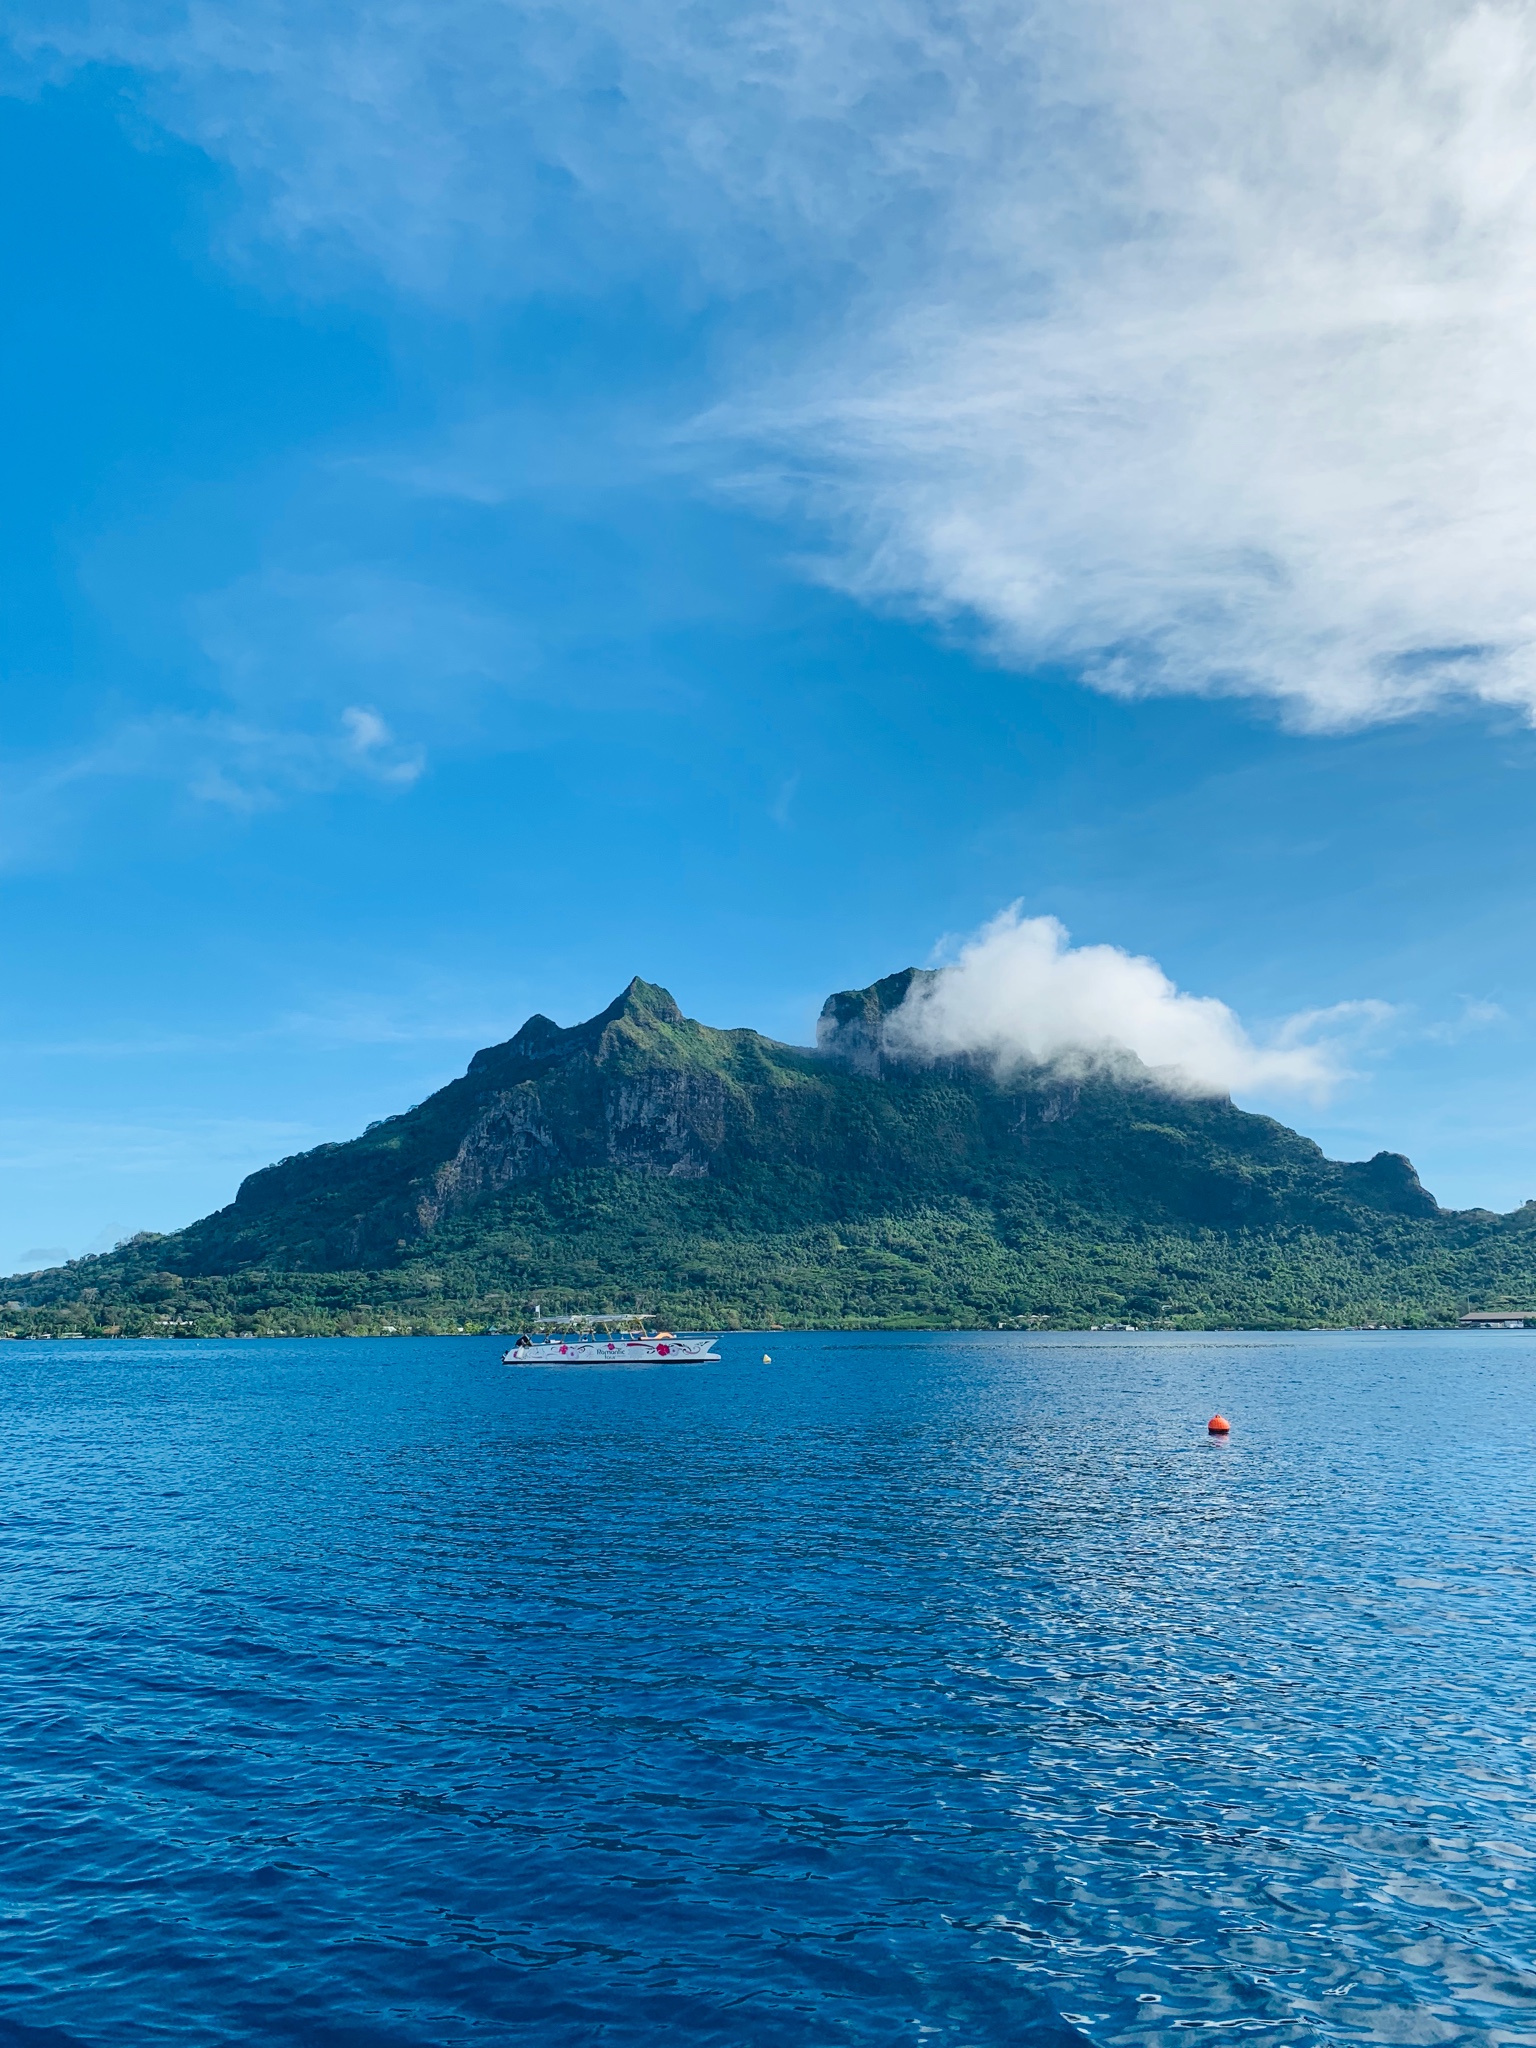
619, 1339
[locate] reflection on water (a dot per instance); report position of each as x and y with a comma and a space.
958, 1690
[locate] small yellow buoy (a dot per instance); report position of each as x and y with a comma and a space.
1219, 1426
766, 1359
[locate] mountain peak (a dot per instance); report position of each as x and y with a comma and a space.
646, 1000
641, 1003
851, 1026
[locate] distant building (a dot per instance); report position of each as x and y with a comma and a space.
1498, 1318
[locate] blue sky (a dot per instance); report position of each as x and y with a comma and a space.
495, 504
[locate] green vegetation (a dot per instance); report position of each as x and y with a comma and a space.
728, 1181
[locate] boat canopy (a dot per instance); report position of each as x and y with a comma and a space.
623, 1316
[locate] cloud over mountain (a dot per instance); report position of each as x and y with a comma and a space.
1020, 993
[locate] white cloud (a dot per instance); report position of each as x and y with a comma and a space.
1185, 345
370, 742
244, 766
1265, 421
1020, 993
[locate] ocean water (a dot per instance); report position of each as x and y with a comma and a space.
949, 1690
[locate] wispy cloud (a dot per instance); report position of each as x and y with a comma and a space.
1186, 345
247, 767
364, 640
783, 802
1476, 1014
134, 1149
229, 762
302, 685
122, 1168
364, 1020
329, 1025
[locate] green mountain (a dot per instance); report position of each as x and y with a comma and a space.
725, 1180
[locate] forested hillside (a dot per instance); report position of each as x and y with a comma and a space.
725, 1180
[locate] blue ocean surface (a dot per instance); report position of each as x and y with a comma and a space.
950, 1690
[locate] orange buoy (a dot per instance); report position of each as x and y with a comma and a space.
1219, 1426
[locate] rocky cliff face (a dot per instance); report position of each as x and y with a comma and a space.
851, 1027
637, 1089
511, 1140
666, 1124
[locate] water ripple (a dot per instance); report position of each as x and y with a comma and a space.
954, 1690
